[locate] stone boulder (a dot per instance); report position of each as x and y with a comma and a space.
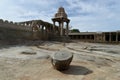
61, 60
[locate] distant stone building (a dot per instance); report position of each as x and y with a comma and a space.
103, 37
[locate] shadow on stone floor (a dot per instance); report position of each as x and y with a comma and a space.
77, 70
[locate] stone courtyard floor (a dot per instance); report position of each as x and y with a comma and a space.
91, 61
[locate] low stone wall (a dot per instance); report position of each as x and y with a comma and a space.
16, 26
15, 31
12, 34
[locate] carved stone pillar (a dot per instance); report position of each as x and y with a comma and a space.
94, 37
42, 29
103, 40
59, 27
54, 26
67, 29
116, 36
61, 33
110, 37
46, 32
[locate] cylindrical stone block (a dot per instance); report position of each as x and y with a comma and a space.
61, 60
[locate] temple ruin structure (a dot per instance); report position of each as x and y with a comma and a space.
61, 18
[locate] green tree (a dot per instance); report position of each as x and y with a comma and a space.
75, 31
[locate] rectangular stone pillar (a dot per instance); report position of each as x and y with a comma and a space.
95, 38
53, 26
42, 32
61, 33
67, 30
116, 36
59, 28
110, 37
103, 39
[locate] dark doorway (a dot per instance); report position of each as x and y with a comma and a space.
92, 36
119, 37
107, 37
113, 37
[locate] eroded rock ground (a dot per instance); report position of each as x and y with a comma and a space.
92, 61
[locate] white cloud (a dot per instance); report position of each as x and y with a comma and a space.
102, 15
87, 15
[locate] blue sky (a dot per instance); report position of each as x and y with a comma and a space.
85, 15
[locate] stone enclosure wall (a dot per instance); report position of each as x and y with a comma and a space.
15, 31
